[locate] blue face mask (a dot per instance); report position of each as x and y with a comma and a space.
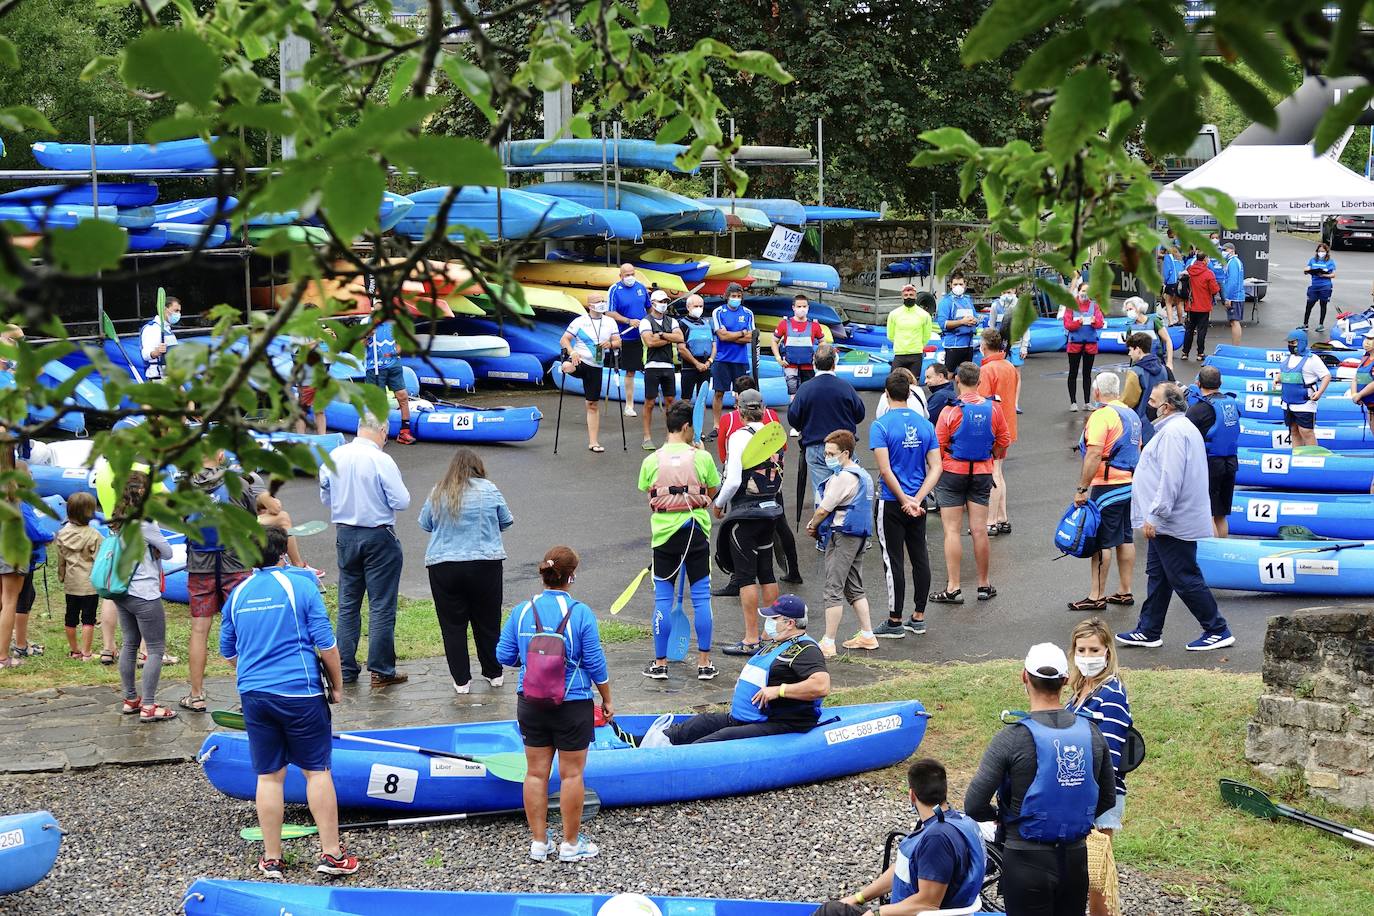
833, 462
735, 303
770, 627
173, 317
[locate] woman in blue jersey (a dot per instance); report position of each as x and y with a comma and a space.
1096, 688
1322, 269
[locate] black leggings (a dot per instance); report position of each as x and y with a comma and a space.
1307, 313
1196, 324
901, 533
468, 592
1086, 359
709, 727
1052, 881
786, 541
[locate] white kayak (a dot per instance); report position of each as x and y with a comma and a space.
462, 346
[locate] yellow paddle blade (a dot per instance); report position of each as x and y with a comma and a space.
762, 446
625, 596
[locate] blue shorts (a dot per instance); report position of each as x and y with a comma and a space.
1111, 820
392, 378
284, 730
1235, 309
723, 375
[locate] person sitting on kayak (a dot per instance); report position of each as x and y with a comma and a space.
939, 866
780, 689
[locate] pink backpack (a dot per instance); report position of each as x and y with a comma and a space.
546, 660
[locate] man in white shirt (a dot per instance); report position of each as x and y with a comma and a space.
585, 344
660, 333
1302, 382
156, 337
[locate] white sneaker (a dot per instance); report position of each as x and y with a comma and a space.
630, 411
540, 852
495, 681
576, 852
463, 689
1074, 407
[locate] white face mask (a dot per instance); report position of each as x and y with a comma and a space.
1090, 665
694, 312
957, 289
601, 308
1131, 314
628, 281
770, 627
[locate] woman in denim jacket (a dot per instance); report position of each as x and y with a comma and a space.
465, 515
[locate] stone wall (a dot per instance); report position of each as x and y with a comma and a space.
1316, 717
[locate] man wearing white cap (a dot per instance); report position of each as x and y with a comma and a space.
909, 328
1051, 774
661, 333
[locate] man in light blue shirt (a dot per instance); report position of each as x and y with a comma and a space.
1233, 291
364, 491
957, 319
1171, 507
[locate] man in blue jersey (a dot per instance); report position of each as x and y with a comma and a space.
734, 328
1233, 291
274, 624
956, 319
382, 361
629, 303
940, 866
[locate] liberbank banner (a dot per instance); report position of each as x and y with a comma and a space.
1267, 206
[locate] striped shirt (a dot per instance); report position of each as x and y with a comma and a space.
1112, 713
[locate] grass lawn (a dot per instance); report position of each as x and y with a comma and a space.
417, 636
1177, 830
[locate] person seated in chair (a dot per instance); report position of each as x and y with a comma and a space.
780, 689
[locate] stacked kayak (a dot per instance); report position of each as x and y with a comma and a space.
1261, 513
1343, 436
497, 213
803, 274
779, 210
29, 844
1261, 354
1305, 468
773, 389
1292, 567
450, 422
821, 214
656, 208
628, 154
850, 739
1332, 406
118, 195
1249, 368
215, 897
458, 346
77, 157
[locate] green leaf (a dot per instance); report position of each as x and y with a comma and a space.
1004, 22
449, 160
674, 130
19, 118
174, 61
98, 65
1049, 65
1021, 318
379, 123
90, 246
9, 54
762, 63
950, 259
580, 127
1252, 102
949, 138
1214, 202
402, 78
1080, 110
352, 194
1259, 53
1347, 30
654, 12
1340, 116
177, 128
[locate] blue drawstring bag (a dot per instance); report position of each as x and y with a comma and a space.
1076, 534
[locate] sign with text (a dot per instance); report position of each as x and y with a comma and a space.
783, 245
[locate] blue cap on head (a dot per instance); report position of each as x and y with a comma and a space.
786, 606
1300, 336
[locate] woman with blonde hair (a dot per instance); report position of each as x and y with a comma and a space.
1096, 689
465, 515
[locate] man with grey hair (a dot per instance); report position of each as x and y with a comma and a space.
1111, 448
1172, 509
364, 491
697, 350
1217, 418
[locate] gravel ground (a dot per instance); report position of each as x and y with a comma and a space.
138, 836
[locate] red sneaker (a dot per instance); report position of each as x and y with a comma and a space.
344, 864
405, 438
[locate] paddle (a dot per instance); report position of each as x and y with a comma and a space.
107, 326
679, 629
306, 529
509, 766
619, 604
591, 805
699, 409
763, 445
1253, 801
1329, 546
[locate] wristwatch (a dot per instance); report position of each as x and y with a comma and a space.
1081, 490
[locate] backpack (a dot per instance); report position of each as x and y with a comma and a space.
546, 660
105, 573
1076, 534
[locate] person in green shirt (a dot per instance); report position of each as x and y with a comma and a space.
909, 327
681, 482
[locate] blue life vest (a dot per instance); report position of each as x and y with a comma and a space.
382, 351
209, 535
974, 439
700, 337
754, 678
1364, 376
965, 893
1293, 387
957, 307
799, 350
858, 516
1171, 269
1061, 803
1221, 439
1125, 451
1085, 332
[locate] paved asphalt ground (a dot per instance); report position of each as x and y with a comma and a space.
590, 502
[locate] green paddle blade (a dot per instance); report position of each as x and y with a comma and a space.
1297, 533
510, 766
305, 529
764, 444
619, 604
226, 719
1247, 799
161, 305
288, 832
107, 326
1311, 450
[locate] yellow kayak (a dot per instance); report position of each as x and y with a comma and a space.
720, 268
554, 299
572, 273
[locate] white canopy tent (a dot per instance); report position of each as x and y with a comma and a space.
1273, 181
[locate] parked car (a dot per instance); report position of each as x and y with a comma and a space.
1342, 231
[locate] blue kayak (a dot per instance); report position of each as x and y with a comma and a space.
189, 235
440, 372
29, 844
194, 209
539, 339
173, 154
217, 897
498, 213
1261, 354
773, 389
120, 195
518, 368
1332, 406
849, 740
1289, 567
1306, 468
1261, 513
1113, 339
656, 209
41, 217
803, 274
777, 209
450, 422
821, 214
1341, 436
628, 154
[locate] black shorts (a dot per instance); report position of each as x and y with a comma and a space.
1301, 418
751, 552
668, 556
1221, 483
1171, 289
659, 381
632, 356
569, 727
956, 489
592, 378
1115, 527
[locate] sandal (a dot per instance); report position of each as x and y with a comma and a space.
1088, 604
107, 657
1004, 527
155, 713
32, 650
741, 648
985, 592
1126, 599
77, 656
948, 597
994, 530
595, 448
194, 702
129, 707
10, 663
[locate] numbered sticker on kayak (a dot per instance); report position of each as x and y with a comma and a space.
1113, 336
75, 473
1319, 567
863, 371
862, 729
1274, 356
452, 420
1276, 571
392, 783
1257, 384
1273, 374
439, 766
1282, 438
1275, 464
1257, 403
1262, 510
12, 839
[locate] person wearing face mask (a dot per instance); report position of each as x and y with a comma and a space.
660, 333
1303, 378
733, 325
1096, 690
842, 524
1233, 291
909, 328
794, 345
698, 348
1171, 271
939, 866
779, 690
1145, 373
1000, 317
1322, 269
1084, 323
628, 303
1202, 289
585, 344
956, 318
1050, 773
1362, 384
157, 337
1142, 321
1171, 507
1217, 417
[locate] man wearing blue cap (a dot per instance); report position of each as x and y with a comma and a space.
780, 689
